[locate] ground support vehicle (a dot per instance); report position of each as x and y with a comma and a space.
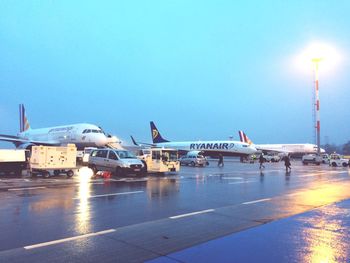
86, 153
272, 158
325, 158
337, 160
159, 160
47, 159
119, 162
13, 161
311, 159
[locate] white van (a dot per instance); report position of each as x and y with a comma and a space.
194, 158
119, 162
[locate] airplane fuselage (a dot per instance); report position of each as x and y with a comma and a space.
81, 134
229, 148
290, 148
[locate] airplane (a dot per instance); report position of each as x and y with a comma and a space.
81, 134
209, 148
300, 148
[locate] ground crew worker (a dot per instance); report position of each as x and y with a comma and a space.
261, 161
221, 160
287, 163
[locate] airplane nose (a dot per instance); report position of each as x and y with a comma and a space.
102, 141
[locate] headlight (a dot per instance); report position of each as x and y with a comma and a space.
125, 165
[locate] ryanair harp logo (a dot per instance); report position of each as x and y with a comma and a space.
154, 133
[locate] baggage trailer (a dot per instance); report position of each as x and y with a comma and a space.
46, 159
13, 161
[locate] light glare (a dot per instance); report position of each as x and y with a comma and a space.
326, 55
85, 174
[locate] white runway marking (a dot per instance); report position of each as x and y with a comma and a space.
244, 182
192, 214
69, 239
26, 188
256, 201
123, 193
232, 178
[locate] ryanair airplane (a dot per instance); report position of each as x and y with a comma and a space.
81, 134
209, 148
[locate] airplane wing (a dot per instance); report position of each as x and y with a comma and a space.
141, 143
18, 141
267, 151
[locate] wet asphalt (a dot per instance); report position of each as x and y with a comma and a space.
139, 219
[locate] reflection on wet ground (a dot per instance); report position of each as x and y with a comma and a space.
325, 234
212, 201
318, 236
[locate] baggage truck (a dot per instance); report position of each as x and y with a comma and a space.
159, 160
13, 161
338, 160
60, 159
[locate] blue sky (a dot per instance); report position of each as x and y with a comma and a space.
199, 69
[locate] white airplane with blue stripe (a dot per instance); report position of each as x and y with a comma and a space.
81, 134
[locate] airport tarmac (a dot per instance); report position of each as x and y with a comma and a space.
153, 218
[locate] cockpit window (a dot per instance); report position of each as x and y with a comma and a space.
92, 131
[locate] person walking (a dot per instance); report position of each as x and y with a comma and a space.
287, 163
221, 160
261, 161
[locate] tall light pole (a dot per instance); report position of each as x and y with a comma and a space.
316, 61
316, 53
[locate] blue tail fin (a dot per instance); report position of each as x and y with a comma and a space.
156, 137
23, 121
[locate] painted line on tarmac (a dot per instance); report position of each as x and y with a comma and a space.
256, 201
26, 188
69, 239
244, 182
320, 173
123, 193
192, 214
232, 178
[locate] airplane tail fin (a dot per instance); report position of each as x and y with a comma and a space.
244, 138
23, 121
156, 137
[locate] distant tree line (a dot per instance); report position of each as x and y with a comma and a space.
342, 149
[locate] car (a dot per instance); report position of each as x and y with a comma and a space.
119, 162
311, 159
194, 159
337, 160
